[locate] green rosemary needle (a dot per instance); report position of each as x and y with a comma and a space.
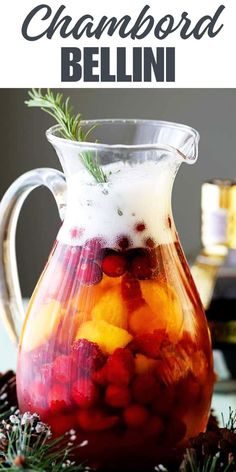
70, 124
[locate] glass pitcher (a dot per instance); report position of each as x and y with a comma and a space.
115, 342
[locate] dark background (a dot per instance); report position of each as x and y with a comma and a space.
24, 147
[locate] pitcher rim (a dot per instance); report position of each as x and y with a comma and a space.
54, 139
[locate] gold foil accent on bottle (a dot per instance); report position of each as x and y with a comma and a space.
231, 230
219, 214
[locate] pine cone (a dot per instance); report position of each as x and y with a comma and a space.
213, 423
8, 396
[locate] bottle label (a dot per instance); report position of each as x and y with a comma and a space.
223, 331
214, 227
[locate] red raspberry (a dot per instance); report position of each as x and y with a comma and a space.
63, 369
59, 398
139, 227
135, 416
114, 265
85, 393
150, 344
87, 356
120, 367
140, 267
100, 376
89, 273
96, 420
145, 388
117, 397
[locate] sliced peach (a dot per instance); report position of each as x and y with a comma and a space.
87, 296
106, 335
111, 308
144, 320
40, 327
165, 304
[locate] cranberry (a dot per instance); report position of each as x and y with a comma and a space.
135, 416
89, 273
123, 242
114, 265
139, 227
117, 396
144, 256
140, 267
93, 248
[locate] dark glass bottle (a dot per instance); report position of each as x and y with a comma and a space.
214, 272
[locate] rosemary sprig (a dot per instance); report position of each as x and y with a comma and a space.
70, 124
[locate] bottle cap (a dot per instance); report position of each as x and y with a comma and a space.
218, 204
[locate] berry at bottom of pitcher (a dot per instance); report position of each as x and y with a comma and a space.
110, 350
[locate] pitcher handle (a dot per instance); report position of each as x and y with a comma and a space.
11, 306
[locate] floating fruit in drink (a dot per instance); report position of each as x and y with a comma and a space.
115, 347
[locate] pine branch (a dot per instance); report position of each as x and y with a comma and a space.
26, 443
70, 124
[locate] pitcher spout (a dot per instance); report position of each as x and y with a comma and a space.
127, 141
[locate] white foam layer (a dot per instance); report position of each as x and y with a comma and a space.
138, 193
